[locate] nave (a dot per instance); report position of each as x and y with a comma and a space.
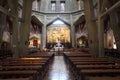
69, 65
31, 29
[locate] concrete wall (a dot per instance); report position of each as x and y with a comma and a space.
45, 6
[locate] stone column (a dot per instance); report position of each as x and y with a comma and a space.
101, 37
91, 27
72, 32
25, 26
15, 45
44, 33
14, 38
100, 31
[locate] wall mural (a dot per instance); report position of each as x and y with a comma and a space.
58, 32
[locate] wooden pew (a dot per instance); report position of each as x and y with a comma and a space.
104, 78
97, 66
112, 53
88, 66
17, 79
79, 55
74, 69
91, 58
25, 64
86, 73
27, 59
12, 68
27, 73
42, 55
93, 63
103, 67
73, 64
75, 60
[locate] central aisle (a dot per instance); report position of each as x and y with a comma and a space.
58, 70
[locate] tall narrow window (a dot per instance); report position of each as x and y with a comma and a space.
62, 4
53, 5
36, 5
78, 3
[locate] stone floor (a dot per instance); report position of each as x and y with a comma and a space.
58, 70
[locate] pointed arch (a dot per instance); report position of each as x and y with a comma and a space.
56, 20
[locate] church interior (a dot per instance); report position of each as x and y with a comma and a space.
59, 39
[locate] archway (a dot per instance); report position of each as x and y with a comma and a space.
35, 33
34, 42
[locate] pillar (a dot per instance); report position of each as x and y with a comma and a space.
25, 26
14, 39
72, 32
91, 27
100, 31
44, 33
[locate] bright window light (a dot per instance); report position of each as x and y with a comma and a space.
58, 22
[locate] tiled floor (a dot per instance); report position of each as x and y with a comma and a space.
58, 70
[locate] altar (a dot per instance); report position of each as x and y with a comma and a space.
58, 46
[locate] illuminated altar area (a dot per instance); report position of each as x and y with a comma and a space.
58, 32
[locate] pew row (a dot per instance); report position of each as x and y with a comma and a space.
28, 68
84, 67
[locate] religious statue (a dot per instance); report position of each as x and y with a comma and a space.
58, 44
